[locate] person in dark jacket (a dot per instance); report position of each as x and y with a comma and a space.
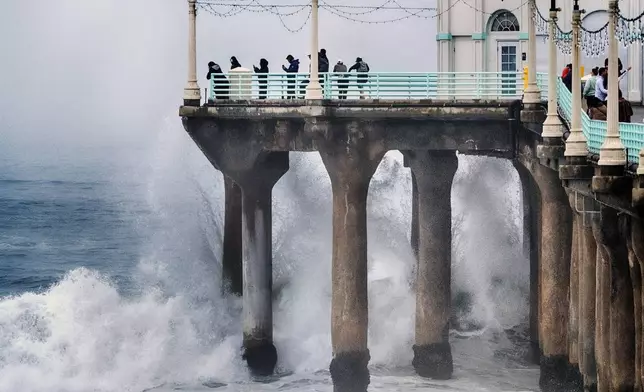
263, 69
343, 79
220, 83
323, 65
293, 68
234, 63
625, 109
362, 68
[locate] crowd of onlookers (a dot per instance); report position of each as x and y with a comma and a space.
594, 89
221, 83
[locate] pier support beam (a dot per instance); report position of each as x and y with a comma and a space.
434, 172
256, 186
587, 280
554, 272
618, 326
531, 239
350, 168
573, 313
232, 254
636, 255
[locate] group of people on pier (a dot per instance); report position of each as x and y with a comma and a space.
340, 72
595, 92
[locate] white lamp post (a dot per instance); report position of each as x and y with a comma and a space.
191, 93
576, 143
612, 152
552, 127
314, 89
532, 95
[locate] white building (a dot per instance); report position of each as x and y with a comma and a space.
492, 36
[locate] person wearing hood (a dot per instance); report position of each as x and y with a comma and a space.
362, 68
234, 63
263, 69
293, 68
343, 80
323, 66
220, 83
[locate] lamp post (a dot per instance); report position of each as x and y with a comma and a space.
314, 89
191, 93
576, 143
612, 152
552, 127
532, 95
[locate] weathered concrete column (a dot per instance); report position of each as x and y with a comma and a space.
573, 313
636, 280
232, 254
587, 276
350, 168
554, 270
636, 255
531, 239
256, 186
602, 312
434, 172
414, 215
611, 232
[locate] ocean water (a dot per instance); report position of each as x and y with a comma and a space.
110, 274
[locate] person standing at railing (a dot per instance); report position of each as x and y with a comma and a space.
601, 87
219, 81
343, 79
566, 71
234, 63
590, 87
263, 69
293, 68
362, 68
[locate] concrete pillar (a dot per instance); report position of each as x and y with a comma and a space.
552, 127
554, 272
576, 142
637, 249
532, 94
232, 280
611, 230
531, 239
587, 284
434, 173
612, 153
192, 93
314, 89
573, 313
414, 215
350, 168
602, 312
257, 318
636, 280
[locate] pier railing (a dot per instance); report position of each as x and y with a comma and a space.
374, 85
631, 134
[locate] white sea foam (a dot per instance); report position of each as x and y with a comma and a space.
178, 330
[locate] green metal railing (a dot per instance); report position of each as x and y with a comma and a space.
374, 85
631, 134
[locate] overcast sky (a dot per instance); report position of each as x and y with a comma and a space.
81, 72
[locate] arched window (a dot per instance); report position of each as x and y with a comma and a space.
504, 21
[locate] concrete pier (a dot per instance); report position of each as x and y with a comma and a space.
232, 253
434, 172
350, 167
414, 215
618, 331
554, 272
636, 280
636, 254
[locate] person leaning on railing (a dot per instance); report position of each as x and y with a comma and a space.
590, 87
293, 68
219, 81
343, 79
263, 69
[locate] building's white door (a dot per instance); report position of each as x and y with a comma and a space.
508, 66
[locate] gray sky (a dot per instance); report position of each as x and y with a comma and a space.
91, 72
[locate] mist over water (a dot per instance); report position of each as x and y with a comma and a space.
171, 327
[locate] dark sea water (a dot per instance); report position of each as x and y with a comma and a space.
109, 274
